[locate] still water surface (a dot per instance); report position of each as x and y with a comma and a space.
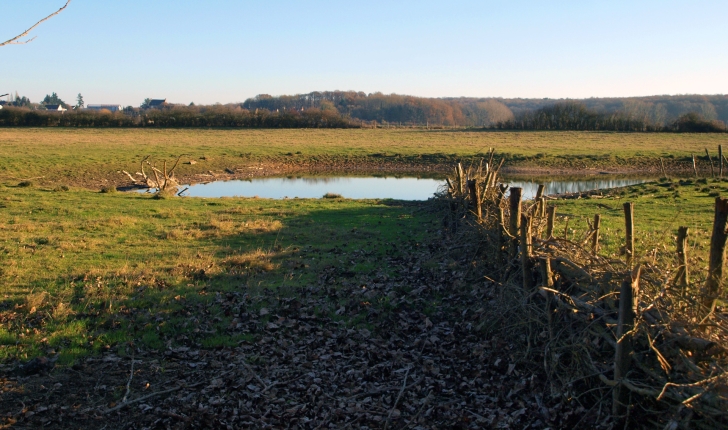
401, 188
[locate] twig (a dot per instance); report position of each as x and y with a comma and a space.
157, 393
14, 40
123, 405
404, 385
131, 375
250, 369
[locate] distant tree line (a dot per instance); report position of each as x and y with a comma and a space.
391, 108
576, 116
353, 109
177, 116
656, 113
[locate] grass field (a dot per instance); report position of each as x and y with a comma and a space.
83, 270
659, 209
91, 156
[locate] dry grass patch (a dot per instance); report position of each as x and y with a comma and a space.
257, 261
35, 301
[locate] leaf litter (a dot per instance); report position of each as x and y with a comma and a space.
401, 349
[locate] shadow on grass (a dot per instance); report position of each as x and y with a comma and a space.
196, 276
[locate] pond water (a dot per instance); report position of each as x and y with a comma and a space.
401, 188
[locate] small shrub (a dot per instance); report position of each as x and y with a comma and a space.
165, 194
25, 184
108, 189
61, 188
714, 194
332, 196
702, 181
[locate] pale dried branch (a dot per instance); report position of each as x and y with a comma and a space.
15, 41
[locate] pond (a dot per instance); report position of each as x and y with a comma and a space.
380, 187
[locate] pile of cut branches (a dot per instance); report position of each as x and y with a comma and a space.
634, 341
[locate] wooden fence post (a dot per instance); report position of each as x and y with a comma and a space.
629, 232
682, 245
695, 168
720, 161
475, 198
501, 236
717, 253
550, 222
595, 237
515, 220
710, 160
461, 179
546, 274
542, 207
526, 250
539, 192
628, 303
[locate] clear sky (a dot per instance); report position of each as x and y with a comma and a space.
226, 51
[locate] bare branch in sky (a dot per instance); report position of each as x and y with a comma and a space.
15, 41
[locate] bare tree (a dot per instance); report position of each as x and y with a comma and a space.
15, 40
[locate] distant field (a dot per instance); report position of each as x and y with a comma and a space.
90, 156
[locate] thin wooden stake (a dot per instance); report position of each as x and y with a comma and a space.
539, 193
662, 166
682, 277
501, 235
695, 168
550, 222
629, 232
710, 160
526, 250
720, 161
461, 179
515, 219
714, 283
546, 274
595, 235
542, 207
628, 307
475, 198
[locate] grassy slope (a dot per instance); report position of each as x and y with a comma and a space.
90, 154
84, 270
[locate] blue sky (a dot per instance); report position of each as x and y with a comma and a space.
226, 51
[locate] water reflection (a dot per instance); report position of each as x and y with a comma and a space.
401, 188
314, 187
573, 186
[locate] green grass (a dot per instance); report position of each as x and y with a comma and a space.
95, 157
84, 271
659, 209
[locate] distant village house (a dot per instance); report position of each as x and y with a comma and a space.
56, 108
157, 103
99, 107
